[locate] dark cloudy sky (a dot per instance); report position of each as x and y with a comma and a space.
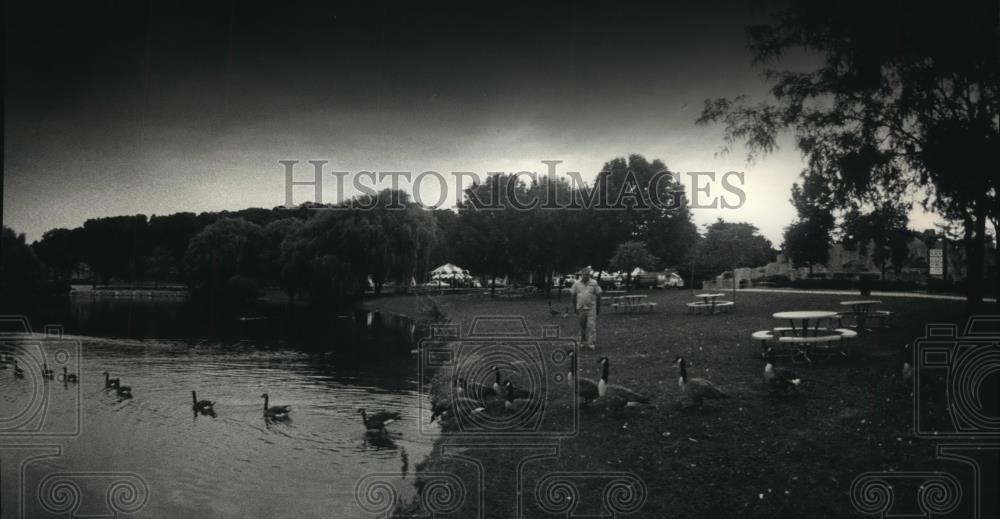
122, 107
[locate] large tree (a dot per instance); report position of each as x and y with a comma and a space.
903, 95
734, 244
882, 234
808, 239
632, 254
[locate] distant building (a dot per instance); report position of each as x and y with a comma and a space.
850, 264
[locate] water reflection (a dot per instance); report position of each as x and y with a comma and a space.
231, 460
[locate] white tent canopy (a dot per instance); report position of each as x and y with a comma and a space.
449, 271
638, 272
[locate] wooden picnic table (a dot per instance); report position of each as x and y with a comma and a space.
711, 300
632, 302
861, 309
631, 299
802, 318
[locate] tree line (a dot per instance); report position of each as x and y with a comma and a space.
329, 253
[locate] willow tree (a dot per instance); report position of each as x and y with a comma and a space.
902, 101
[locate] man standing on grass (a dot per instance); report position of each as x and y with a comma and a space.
587, 304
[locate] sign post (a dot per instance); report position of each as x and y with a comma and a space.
936, 262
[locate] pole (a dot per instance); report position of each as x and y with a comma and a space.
734, 284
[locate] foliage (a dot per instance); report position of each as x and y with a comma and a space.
733, 244
902, 99
632, 254
885, 229
20, 269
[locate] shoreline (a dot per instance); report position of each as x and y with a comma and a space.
750, 455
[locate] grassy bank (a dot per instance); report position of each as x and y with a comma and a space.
753, 455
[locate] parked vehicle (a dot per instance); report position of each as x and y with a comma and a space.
436, 283
659, 280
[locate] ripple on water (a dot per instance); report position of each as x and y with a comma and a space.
236, 463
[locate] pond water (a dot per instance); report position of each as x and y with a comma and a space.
236, 464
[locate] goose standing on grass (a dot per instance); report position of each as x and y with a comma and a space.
615, 391
585, 388
378, 421
511, 401
69, 377
907, 366
47, 373
201, 406
277, 412
473, 389
779, 379
496, 381
18, 372
446, 409
697, 389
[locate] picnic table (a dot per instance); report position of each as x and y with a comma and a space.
861, 309
803, 318
710, 302
805, 339
631, 302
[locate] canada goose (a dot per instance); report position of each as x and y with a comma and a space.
473, 389
68, 377
907, 367
779, 379
201, 406
123, 392
278, 412
109, 383
18, 372
512, 402
46, 372
496, 381
697, 389
611, 390
378, 421
448, 408
585, 388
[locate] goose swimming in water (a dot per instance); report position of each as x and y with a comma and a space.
18, 372
109, 383
277, 412
201, 406
47, 373
697, 389
69, 377
123, 392
377, 421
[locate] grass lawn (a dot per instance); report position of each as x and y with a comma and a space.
752, 455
